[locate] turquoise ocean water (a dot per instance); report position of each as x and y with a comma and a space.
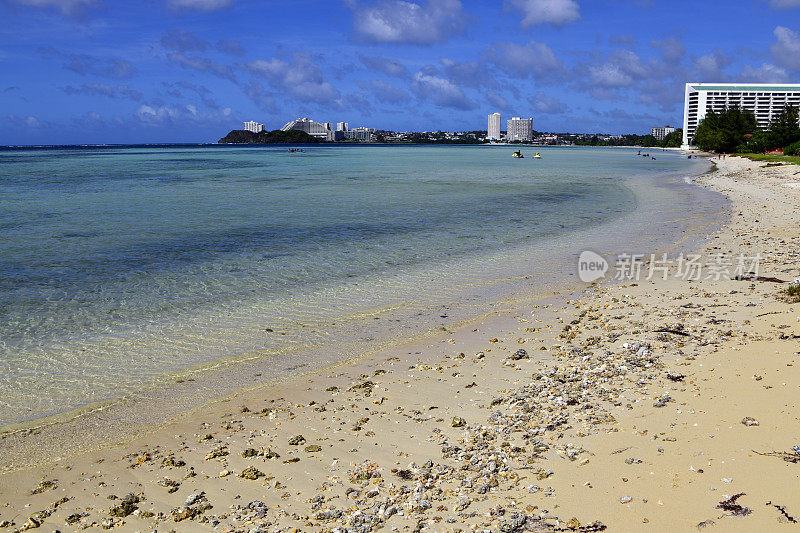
122, 266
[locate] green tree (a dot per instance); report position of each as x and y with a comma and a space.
756, 143
724, 132
785, 129
672, 140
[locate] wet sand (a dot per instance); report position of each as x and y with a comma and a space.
631, 406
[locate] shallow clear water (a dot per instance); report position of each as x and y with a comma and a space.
122, 265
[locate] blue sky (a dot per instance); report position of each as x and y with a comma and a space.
104, 71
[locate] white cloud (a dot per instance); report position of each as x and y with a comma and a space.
300, 76
200, 5
102, 89
66, 7
398, 21
608, 75
497, 101
390, 67
442, 91
786, 50
766, 73
161, 114
533, 59
709, 68
784, 4
621, 69
183, 41
671, 49
29, 121
547, 105
202, 64
387, 93
556, 12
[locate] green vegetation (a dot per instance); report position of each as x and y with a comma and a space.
673, 140
773, 159
268, 137
792, 149
723, 132
793, 291
735, 130
440, 137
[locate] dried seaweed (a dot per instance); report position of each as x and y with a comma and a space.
591, 528
405, 474
782, 509
752, 277
734, 508
789, 457
673, 331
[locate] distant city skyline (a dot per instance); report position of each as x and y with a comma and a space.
97, 71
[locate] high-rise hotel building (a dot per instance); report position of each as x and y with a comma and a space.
253, 126
520, 129
493, 131
766, 101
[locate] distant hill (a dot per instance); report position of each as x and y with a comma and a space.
268, 137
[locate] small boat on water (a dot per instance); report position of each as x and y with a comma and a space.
518, 155
537, 156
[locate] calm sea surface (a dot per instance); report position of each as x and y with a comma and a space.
120, 266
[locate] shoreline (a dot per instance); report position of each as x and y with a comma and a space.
596, 421
94, 425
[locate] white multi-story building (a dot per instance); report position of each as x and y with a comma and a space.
360, 134
520, 129
316, 129
766, 101
660, 132
342, 126
255, 127
493, 131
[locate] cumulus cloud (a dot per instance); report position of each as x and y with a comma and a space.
177, 90
531, 60
85, 64
672, 50
497, 101
101, 89
71, 8
202, 64
260, 96
470, 73
626, 40
786, 49
766, 73
30, 122
156, 114
407, 22
390, 67
198, 5
229, 46
183, 41
621, 69
387, 93
300, 76
784, 4
556, 12
621, 114
710, 67
442, 91
547, 105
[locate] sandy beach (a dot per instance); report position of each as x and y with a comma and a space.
639, 405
